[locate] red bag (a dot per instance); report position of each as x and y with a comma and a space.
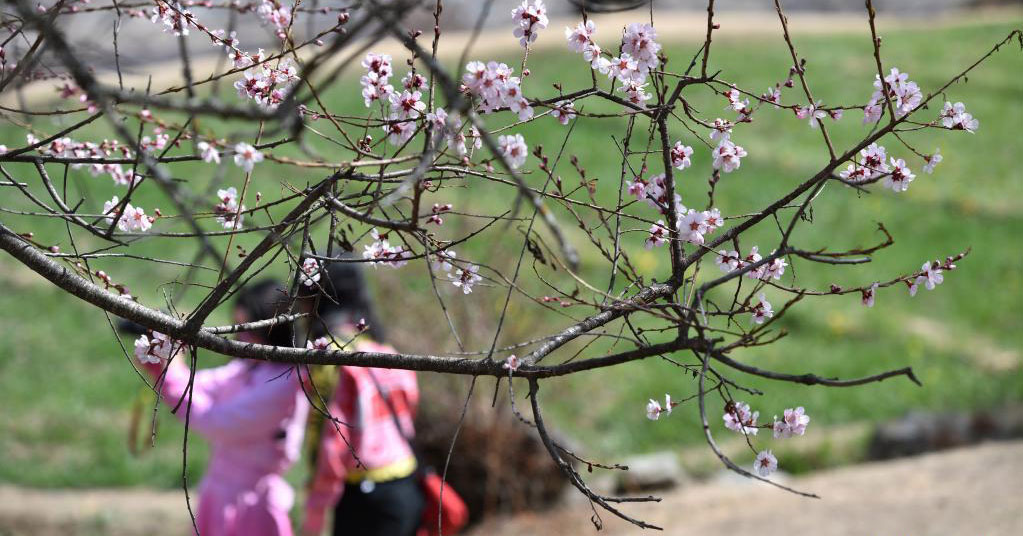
452, 513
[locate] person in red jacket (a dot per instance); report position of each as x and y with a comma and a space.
365, 469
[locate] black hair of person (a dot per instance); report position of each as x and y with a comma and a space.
347, 299
264, 300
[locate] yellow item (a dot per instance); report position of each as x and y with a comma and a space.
393, 471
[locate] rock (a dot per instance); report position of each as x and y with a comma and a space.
920, 432
658, 470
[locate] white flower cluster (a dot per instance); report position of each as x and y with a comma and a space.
904, 94
175, 18
955, 117
227, 210
267, 85
728, 261
156, 347
132, 218
495, 87
382, 252
276, 14
692, 224
463, 278
529, 17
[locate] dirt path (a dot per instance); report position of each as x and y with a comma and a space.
977, 490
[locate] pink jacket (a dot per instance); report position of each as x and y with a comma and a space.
253, 415
371, 430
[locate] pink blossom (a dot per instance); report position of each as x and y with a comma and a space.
793, 423
246, 156
209, 152
900, 177
727, 260
514, 149
680, 155
309, 272
563, 111
511, 364
653, 410
530, 17
762, 310
727, 155
932, 161
869, 294
738, 418
658, 235
466, 278
765, 464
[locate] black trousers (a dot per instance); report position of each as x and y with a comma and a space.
392, 508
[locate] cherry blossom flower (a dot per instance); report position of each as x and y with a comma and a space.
246, 156
414, 82
793, 422
762, 310
638, 42
319, 344
653, 410
511, 364
514, 149
174, 19
753, 258
765, 464
466, 278
581, 37
713, 220
872, 113
721, 130
932, 161
692, 226
276, 15
667, 403
209, 152
869, 294
727, 261
680, 156
227, 211
774, 269
930, 277
955, 117
407, 105
658, 235
900, 177
727, 155
155, 347
813, 112
904, 94
309, 272
873, 158
773, 96
382, 252
444, 260
563, 111
399, 130
375, 83
738, 418
530, 17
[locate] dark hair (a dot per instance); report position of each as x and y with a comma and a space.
264, 300
345, 298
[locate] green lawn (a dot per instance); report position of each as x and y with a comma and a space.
67, 392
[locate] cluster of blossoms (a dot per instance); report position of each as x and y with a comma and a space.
278, 16
514, 149
131, 218
762, 310
793, 422
175, 18
563, 111
68, 148
309, 271
529, 17
267, 85
436, 211
228, 211
692, 224
872, 165
156, 347
727, 155
638, 56
382, 252
654, 409
955, 117
376, 82
904, 95
495, 87
728, 261
739, 418
451, 127
463, 278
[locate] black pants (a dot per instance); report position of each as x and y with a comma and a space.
392, 508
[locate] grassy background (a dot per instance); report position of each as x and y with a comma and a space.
66, 393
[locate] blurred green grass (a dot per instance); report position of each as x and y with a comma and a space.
66, 393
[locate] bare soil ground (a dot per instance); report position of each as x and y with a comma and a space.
976, 490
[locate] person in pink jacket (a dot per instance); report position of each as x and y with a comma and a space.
252, 413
